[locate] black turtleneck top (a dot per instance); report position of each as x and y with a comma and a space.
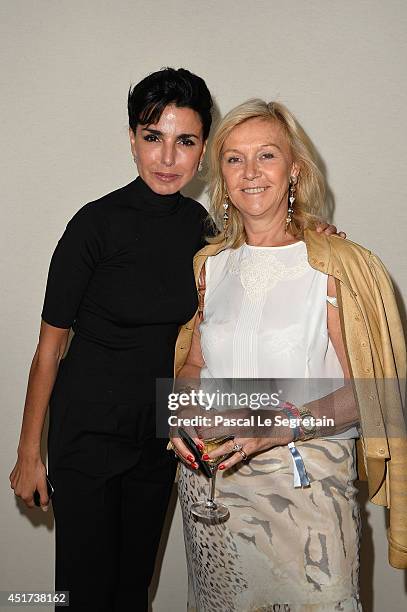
121, 276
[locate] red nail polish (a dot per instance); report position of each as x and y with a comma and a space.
205, 457
200, 446
221, 467
195, 466
190, 458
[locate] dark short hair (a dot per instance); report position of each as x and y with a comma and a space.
147, 100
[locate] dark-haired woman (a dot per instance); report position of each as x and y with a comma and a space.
121, 276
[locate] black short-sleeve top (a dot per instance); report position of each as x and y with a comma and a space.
121, 275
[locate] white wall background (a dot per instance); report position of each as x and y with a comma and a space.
66, 69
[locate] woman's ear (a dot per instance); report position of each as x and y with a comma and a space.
295, 169
203, 151
132, 141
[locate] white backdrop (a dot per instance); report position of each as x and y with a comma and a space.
66, 70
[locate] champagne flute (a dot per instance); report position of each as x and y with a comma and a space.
209, 509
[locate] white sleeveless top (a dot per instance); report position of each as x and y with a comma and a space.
265, 316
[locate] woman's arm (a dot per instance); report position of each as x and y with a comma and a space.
191, 370
340, 404
78, 252
189, 378
29, 472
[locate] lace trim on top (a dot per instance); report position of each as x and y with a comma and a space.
261, 270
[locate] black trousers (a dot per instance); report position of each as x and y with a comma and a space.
108, 530
112, 486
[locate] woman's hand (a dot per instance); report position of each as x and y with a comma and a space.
181, 450
29, 474
282, 435
328, 228
183, 453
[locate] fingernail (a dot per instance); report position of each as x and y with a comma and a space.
205, 456
195, 466
221, 467
190, 458
44, 508
200, 446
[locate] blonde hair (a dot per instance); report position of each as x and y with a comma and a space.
310, 189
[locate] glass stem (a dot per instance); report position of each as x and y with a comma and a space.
211, 499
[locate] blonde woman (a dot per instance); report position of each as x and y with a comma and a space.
282, 301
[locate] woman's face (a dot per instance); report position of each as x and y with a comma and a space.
168, 152
256, 165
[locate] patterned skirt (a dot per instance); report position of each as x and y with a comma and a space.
282, 548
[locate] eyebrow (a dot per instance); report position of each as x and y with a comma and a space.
158, 133
268, 144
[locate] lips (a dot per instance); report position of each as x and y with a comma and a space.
251, 190
166, 177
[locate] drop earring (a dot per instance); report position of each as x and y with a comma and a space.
225, 216
135, 159
291, 199
200, 166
